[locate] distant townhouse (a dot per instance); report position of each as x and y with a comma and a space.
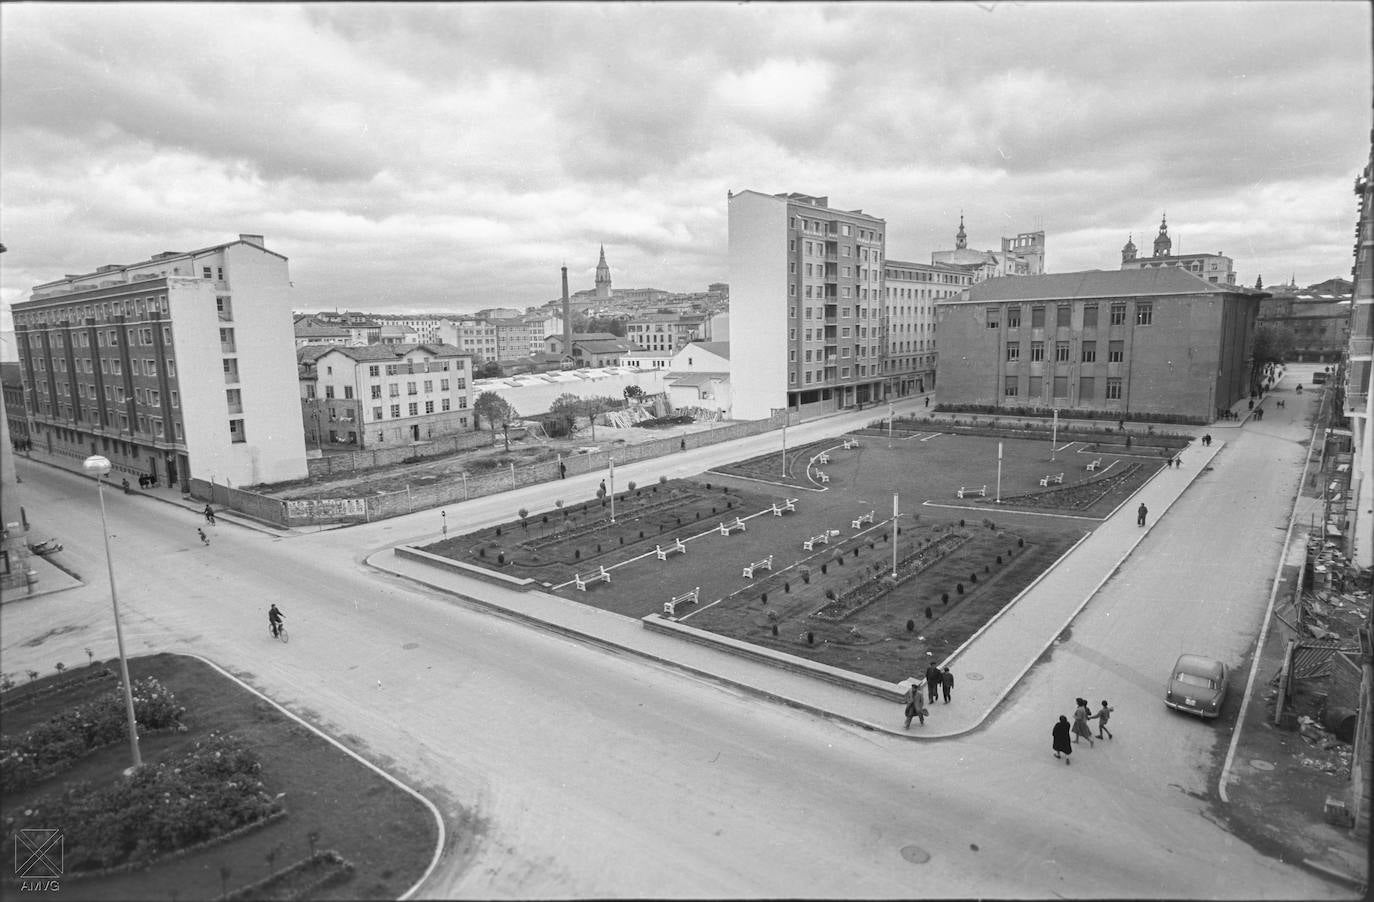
115, 362
362, 328
911, 291
1128, 342
419, 328
1216, 268
806, 295
309, 332
1317, 317
699, 376
665, 332
470, 335
384, 395
592, 349
1023, 255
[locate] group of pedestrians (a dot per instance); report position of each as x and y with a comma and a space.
938, 682
1079, 729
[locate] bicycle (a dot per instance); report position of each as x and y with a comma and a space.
280, 634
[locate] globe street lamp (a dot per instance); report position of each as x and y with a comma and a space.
100, 467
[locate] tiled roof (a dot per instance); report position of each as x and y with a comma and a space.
719, 348
1097, 283
696, 379
393, 352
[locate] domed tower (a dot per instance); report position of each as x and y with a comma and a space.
1128, 251
603, 276
960, 237
1163, 243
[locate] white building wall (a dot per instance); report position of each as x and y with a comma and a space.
535, 399
758, 303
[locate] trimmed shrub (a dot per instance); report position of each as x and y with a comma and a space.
944, 598
810, 638
959, 587
929, 613
911, 626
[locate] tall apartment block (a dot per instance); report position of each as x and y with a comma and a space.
1356, 388
180, 366
806, 300
910, 293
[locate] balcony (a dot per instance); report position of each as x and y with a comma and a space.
1361, 348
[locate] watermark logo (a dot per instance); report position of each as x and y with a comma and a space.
38, 859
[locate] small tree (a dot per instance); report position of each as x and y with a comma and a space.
496, 411
634, 393
60, 666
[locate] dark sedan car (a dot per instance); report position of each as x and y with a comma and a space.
1197, 685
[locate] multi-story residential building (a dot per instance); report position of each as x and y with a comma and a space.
384, 395
1023, 255
667, 332
118, 362
699, 376
470, 335
309, 332
911, 291
1216, 268
1359, 399
1318, 318
424, 329
1148, 341
513, 337
16, 414
806, 295
362, 328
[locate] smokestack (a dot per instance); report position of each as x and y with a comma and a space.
567, 316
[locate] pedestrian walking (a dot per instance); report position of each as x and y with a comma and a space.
1060, 733
1080, 722
601, 492
946, 683
682, 444
209, 515
1140, 514
915, 706
927, 400
200, 532
562, 470
443, 518
1103, 715
933, 680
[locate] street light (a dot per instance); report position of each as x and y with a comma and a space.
99, 467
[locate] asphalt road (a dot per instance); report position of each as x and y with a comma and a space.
571, 771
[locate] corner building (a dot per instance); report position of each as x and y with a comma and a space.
806, 305
1144, 342
177, 367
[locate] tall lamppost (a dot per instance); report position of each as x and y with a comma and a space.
100, 467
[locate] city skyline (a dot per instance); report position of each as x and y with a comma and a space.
425, 158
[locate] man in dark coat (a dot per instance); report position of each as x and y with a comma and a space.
1061, 738
933, 681
946, 683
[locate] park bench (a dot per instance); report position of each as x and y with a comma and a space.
811, 543
692, 597
664, 552
789, 505
966, 492
600, 576
765, 564
727, 528
861, 521
851, 443
1094, 464
822, 477
1056, 478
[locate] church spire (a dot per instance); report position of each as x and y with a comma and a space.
1163, 243
960, 237
603, 276
1128, 251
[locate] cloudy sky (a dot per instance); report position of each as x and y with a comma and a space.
450, 157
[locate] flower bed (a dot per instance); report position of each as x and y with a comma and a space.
210, 790
56, 744
871, 590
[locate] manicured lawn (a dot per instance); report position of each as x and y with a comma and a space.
332, 802
990, 549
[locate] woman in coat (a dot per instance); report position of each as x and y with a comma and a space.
1081, 716
1061, 739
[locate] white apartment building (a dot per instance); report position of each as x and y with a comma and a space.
381, 395
470, 335
806, 297
170, 367
665, 332
910, 293
422, 329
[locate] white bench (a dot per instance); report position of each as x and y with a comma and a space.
861, 521
822, 477
765, 564
692, 597
966, 492
1056, 478
1094, 464
851, 443
789, 505
811, 543
600, 576
727, 528
664, 552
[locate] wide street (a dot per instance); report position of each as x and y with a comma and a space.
574, 771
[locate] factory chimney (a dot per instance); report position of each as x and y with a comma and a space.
567, 316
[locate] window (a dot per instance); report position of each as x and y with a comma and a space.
393, 390
236, 431
429, 407
443, 404
348, 392
1063, 316
1061, 353
1013, 317
207, 272
329, 392
374, 370
1090, 316
395, 411
376, 413
1118, 312
1037, 317
1061, 386
376, 392
1089, 354
994, 321
1087, 388
1037, 387
1113, 389
1037, 351
1013, 351
1010, 387
1115, 352
414, 408
1144, 314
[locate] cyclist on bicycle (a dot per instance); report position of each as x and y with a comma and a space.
274, 619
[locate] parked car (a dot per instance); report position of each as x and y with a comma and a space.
1197, 685
44, 546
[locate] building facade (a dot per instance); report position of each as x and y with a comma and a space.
1023, 255
1318, 318
1356, 388
171, 367
664, 332
384, 395
1215, 268
1131, 342
806, 295
911, 291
